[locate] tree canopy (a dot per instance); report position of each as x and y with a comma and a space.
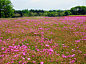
78, 10
6, 9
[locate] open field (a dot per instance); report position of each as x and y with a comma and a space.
43, 40
76, 15
23, 18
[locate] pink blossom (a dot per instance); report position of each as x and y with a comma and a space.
23, 58
42, 32
77, 40
47, 45
37, 49
77, 47
1, 37
24, 53
51, 50
79, 51
23, 63
50, 53
0, 40
34, 61
12, 61
73, 55
63, 44
4, 42
32, 55
41, 62
58, 54
84, 54
40, 28
72, 61
28, 58
64, 56
19, 62
8, 63
35, 33
2, 49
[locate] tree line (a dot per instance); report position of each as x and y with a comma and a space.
6, 11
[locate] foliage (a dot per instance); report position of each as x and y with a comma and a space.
78, 10
6, 9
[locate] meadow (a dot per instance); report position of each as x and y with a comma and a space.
43, 40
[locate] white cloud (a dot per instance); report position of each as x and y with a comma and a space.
35, 1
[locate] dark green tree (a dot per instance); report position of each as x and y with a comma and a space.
59, 11
78, 10
25, 12
67, 12
6, 9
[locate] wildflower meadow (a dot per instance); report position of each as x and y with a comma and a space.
43, 40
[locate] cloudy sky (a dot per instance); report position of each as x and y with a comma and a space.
47, 4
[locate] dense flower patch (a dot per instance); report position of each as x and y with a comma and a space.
48, 40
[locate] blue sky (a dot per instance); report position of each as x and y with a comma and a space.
46, 4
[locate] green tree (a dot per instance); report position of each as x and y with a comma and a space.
59, 12
6, 8
67, 12
25, 12
78, 10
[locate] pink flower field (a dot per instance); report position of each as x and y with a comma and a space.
45, 40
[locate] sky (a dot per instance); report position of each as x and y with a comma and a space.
46, 4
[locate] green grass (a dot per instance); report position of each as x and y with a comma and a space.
76, 15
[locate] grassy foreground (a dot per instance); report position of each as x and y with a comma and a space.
45, 40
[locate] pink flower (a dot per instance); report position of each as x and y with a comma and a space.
72, 61
28, 58
35, 33
84, 54
15, 46
41, 62
23, 58
32, 55
77, 40
12, 61
63, 44
19, 62
58, 54
1, 37
2, 49
47, 45
23, 53
34, 61
77, 47
51, 50
22, 63
0, 40
50, 53
64, 56
8, 63
40, 28
73, 55
37, 49
79, 51
4, 42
